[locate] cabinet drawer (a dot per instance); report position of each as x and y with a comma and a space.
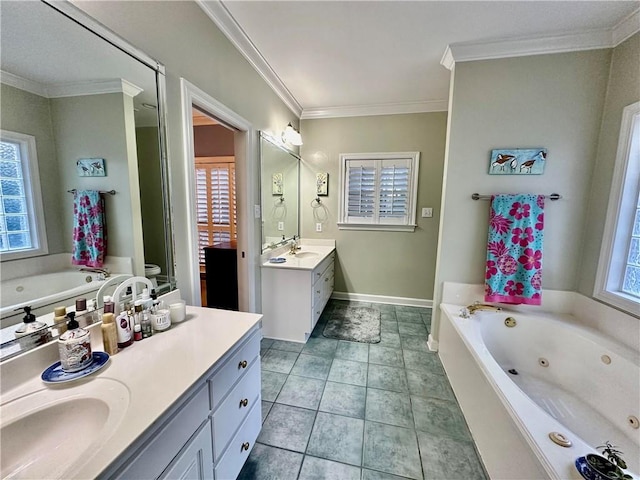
231, 462
233, 369
232, 411
320, 269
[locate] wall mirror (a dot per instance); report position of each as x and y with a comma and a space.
76, 91
280, 192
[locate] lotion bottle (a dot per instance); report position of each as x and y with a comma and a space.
109, 334
74, 346
125, 332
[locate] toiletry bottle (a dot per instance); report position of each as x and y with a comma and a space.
60, 320
109, 305
138, 307
81, 306
32, 332
137, 332
74, 346
145, 323
125, 334
147, 301
161, 320
109, 333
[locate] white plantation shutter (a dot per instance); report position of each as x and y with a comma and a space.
378, 191
361, 191
215, 202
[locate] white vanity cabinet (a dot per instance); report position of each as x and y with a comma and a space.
294, 295
211, 429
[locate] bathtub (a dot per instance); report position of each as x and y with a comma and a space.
565, 378
48, 289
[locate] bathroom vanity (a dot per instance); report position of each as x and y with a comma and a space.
183, 403
295, 292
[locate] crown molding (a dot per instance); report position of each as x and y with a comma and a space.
72, 89
76, 89
381, 109
572, 42
219, 14
626, 27
23, 84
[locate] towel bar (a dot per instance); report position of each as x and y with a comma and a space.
102, 192
477, 196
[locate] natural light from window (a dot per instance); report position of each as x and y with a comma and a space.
618, 279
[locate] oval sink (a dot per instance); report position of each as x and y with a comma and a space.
302, 255
49, 433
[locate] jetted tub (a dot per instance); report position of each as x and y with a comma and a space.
564, 378
49, 290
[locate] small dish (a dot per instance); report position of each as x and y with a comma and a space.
584, 469
55, 374
277, 260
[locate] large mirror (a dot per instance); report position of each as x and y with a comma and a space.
280, 192
80, 110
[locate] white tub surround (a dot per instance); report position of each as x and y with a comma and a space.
294, 293
587, 391
176, 385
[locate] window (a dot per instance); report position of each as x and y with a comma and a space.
618, 279
22, 229
215, 201
378, 191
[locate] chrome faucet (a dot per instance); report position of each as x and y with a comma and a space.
473, 308
103, 273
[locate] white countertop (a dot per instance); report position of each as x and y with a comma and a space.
157, 371
304, 261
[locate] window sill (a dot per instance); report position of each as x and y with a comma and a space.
375, 226
619, 300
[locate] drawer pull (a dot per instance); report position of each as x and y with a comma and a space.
317, 291
318, 274
326, 279
245, 446
242, 364
244, 402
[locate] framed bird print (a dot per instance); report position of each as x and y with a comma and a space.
91, 167
517, 161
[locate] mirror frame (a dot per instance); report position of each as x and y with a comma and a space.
85, 21
278, 144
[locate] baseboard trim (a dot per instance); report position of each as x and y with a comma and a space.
363, 297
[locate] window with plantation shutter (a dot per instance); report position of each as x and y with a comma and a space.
215, 202
378, 191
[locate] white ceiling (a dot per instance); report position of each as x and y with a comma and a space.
340, 58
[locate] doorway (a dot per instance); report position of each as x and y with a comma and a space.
244, 198
216, 210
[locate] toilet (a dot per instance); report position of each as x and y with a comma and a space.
151, 271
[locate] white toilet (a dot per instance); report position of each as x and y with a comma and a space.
151, 271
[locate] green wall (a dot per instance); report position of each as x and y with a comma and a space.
397, 264
623, 89
553, 101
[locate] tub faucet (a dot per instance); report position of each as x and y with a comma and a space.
103, 273
471, 309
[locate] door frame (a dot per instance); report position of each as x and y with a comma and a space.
245, 151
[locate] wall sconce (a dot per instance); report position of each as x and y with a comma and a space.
291, 136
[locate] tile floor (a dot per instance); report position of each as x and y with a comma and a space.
333, 409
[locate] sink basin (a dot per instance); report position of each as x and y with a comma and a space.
305, 254
49, 433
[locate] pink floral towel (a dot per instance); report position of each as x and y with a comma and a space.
514, 249
89, 229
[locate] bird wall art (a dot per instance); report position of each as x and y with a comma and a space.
517, 161
91, 167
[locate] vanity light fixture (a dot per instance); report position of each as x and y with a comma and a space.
291, 136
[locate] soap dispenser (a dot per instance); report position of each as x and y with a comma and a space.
74, 346
32, 332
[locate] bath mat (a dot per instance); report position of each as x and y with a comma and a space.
355, 324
